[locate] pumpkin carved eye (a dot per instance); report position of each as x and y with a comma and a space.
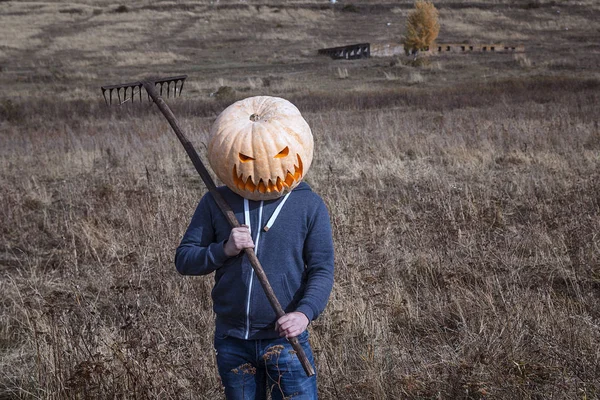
245, 158
283, 153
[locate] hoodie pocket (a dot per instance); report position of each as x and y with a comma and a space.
229, 292
287, 296
260, 308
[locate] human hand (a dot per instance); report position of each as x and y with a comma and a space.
239, 239
292, 324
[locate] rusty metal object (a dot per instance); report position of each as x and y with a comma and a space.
349, 52
150, 87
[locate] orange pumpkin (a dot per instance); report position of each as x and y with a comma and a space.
260, 147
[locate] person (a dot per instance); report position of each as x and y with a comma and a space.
292, 238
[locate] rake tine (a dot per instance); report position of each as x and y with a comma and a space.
119, 95
104, 95
132, 98
140, 91
181, 88
169, 89
133, 94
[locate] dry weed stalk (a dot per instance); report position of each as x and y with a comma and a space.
342, 73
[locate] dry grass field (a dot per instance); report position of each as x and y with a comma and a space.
464, 194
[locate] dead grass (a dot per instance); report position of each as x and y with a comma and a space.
464, 204
465, 234
240, 41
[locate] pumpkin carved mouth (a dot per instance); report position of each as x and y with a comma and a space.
248, 184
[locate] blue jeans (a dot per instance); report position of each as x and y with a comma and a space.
251, 368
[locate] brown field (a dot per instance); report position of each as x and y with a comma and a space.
464, 194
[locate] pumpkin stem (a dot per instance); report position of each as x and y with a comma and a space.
254, 117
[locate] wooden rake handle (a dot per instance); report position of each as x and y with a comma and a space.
229, 214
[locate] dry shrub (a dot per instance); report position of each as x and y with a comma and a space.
422, 26
10, 111
342, 73
121, 9
225, 94
415, 77
522, 60
390, 76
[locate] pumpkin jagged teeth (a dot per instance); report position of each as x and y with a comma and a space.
277, 186
300, 167
262, 187
250, 186
289, 179
238, 179
235, 175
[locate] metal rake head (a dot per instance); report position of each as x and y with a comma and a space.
173, 84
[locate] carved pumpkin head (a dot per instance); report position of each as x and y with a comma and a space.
260, 147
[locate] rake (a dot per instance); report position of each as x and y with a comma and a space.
156, 96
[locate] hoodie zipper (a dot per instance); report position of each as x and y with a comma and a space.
247, 221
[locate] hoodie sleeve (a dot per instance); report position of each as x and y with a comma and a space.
198, 253
318, 256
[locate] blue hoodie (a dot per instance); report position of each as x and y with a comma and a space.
296, 253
